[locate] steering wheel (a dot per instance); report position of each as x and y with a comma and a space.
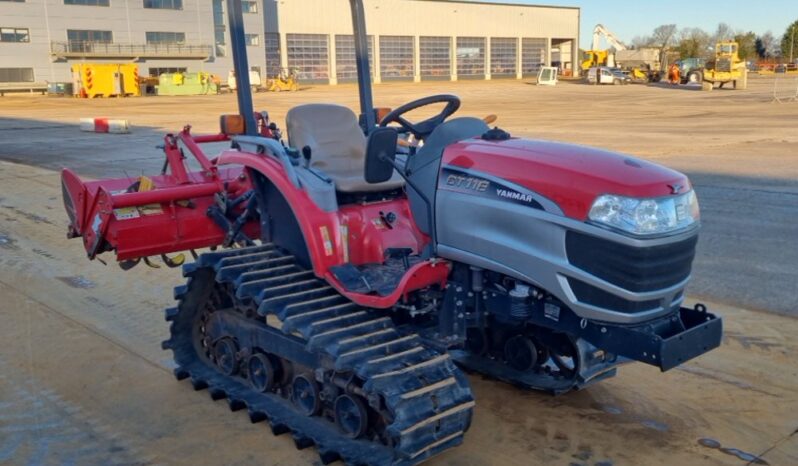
424, 128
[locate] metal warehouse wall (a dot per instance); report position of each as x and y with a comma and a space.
415, 39
426, 17
49, 20
306, 32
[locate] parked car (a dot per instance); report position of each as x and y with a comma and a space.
607, 75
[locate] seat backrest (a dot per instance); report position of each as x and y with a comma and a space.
332, 132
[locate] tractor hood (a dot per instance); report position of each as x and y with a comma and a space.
570, 175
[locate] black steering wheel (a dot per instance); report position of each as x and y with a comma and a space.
424, 128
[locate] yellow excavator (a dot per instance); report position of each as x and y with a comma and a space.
591, 58
642, 65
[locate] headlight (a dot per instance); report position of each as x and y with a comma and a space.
646, 216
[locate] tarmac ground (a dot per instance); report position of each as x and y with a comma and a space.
83, 379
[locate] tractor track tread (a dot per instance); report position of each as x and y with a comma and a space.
427, 398
243, 289
292, 297
261, 274
248, 258
228, 273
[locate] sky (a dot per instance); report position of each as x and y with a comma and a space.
628, 18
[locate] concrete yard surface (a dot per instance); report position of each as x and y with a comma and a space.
83, 379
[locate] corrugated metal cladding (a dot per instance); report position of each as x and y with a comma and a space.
433, 39
411, 39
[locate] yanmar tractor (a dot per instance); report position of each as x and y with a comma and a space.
353, 275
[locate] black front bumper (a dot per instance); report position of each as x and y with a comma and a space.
666, 342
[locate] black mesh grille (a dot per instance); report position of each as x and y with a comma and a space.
632, 268
597, 297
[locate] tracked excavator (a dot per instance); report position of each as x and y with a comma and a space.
350, 278
642, 65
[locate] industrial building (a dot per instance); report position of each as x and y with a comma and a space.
413, 40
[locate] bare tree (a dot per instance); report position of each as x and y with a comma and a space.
662, 37
766, 45
640, 41
723, 32
693, 42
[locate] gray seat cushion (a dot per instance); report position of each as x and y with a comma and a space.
337, 144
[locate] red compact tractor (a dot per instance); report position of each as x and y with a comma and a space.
351, 278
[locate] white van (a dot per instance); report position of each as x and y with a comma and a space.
607, 75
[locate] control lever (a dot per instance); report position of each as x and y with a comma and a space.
388, 219
400, 253
306, 153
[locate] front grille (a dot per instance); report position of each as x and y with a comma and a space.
589, 294
724, 65
632, 268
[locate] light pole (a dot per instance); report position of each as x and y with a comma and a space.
792, 41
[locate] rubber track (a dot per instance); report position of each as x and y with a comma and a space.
429, 396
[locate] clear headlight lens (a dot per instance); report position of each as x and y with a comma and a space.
646, 216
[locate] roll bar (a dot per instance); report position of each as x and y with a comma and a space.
241, 64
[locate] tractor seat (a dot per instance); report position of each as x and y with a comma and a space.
337, 145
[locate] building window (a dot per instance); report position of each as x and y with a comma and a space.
14, 35
249, 7
435, 59
533, 55
155, 72
396, 57
252, 39
308, 54
164, 4
470, 56
345, 65
273, 63
81, 40
16, 75
87, 2
219, 30
17, 1
85, 35
503, 56
159, 37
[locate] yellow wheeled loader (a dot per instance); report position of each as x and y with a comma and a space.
286, 80
726, 68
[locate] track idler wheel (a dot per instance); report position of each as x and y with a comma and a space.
262, 372
306, 395
521, 353
225, 353
351, 415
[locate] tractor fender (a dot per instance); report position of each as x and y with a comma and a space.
325, 239
319, 229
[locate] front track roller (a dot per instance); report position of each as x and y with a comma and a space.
254, 327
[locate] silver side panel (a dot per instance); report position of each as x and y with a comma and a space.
529, 245
320, 190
